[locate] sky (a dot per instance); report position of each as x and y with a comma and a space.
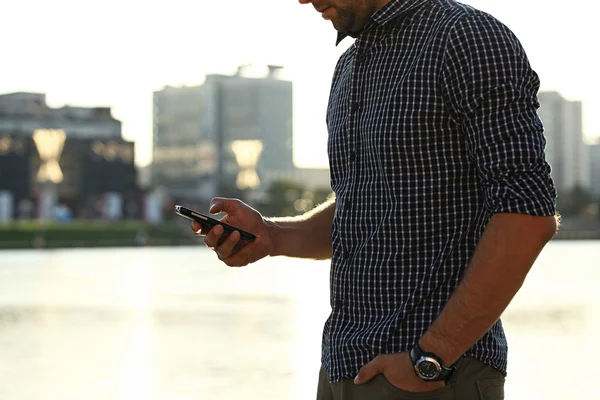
117, 52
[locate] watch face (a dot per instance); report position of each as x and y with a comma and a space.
428, 369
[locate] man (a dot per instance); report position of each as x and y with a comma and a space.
443, 201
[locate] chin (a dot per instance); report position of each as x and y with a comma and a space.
343, 25
338, 26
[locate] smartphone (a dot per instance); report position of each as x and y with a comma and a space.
210, 222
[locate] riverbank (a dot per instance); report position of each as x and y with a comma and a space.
578, 235
579, 228
32, 234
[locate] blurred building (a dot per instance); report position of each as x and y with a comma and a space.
254, 109
227, 132
94, 165
594, 152
566, 151
184, 142
23, 113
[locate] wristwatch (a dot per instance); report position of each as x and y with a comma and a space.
428, 366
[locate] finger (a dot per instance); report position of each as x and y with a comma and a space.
212, 237
222, 204
242, 257
197, 228
226, 248
370, 370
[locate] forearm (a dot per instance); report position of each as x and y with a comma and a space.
508, 248
305, 236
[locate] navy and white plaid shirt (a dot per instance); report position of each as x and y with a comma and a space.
433, 128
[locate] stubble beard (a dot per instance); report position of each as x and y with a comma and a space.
348, 21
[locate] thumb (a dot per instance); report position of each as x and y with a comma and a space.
369, 371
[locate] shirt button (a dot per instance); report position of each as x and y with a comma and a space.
348, 205
354, 106
338, 303
352, 156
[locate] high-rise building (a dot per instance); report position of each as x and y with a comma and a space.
253, 123
226, 133
184, 143
566, 151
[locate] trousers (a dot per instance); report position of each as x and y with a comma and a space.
472, 380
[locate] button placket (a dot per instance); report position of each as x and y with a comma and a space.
354, 116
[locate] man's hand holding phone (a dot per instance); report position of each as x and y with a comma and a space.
232, 250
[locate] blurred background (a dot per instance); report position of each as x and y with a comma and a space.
112, 112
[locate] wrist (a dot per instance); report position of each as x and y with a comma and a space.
274, 231
441, 347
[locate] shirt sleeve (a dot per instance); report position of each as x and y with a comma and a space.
491, 92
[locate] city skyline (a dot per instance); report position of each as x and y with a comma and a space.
120, 67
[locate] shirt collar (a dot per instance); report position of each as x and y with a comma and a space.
391, 10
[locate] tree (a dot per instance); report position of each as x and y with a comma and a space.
281, 198
290, 198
